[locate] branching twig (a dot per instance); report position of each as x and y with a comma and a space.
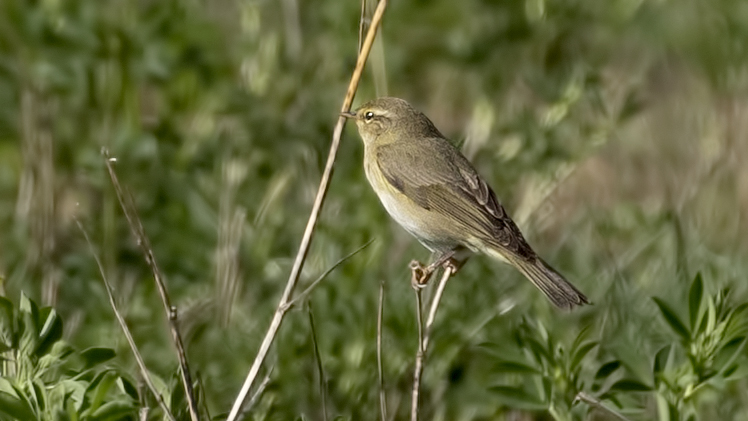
324, 274
424, 335
380, 370
306, 239
136, 226
121, 320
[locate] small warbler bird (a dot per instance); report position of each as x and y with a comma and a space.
433, 191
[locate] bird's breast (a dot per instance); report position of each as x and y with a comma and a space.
419, 222
394, 201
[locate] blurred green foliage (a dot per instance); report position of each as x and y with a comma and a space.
613, 131
46, 379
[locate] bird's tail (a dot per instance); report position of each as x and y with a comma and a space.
560, 291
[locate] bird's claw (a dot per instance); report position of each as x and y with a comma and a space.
419, 275
452, 265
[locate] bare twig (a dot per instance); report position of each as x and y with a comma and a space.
121, 320
319, 199
424, 335
596, 403
448, 272
419, 358
380, 370
136, 226
318, 359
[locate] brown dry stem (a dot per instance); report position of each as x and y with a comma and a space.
424, 332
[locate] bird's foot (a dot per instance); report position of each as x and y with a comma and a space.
419, 274
453, 265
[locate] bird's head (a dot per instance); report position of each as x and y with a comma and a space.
390, 119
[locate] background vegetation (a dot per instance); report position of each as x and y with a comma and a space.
614, 132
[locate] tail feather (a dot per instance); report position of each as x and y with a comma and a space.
560, 291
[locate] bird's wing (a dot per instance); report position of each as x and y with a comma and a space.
442, 180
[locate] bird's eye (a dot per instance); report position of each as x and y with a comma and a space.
368, 116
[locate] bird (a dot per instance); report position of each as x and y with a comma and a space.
430, 189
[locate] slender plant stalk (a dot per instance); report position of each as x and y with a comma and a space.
319, 199
121, 320
258, 392
318, 360
380, 370
424, 336
136, 226
324, 274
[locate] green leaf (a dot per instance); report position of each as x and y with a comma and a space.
607, 369
126, 386
114, 410
29, 329
26, 305
739, 310
103, 388
630, 385
661, 360
730, 352
694, 300
74, 392
580, 337
518, 398
96, 355
514, 367
15, 407
39, 394
538, 350
672, 319
581, 353
50, 333
7, 324
729, 371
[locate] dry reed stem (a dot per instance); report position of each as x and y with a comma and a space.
311, 223
136, 226
424, 336
121, 320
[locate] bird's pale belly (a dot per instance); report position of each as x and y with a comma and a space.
430, 228
404, 215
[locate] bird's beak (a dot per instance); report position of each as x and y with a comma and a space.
348, 114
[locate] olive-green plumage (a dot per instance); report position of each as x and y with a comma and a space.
434, 192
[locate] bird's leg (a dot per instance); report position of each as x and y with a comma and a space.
441, 259
421, 274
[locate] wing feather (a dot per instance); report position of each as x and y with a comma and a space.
447, 183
